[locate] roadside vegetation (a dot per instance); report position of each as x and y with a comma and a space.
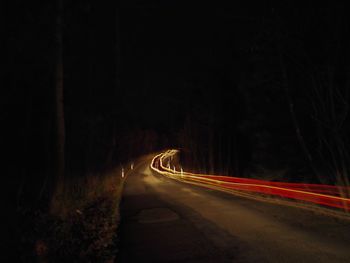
81, 223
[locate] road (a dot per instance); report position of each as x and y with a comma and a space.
163, 220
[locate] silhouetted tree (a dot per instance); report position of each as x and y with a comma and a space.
59, 96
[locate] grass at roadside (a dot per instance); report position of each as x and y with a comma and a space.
82, 223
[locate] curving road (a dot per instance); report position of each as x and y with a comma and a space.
163, 220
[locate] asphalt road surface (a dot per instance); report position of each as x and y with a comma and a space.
163, 220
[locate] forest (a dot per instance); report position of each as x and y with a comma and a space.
257, 92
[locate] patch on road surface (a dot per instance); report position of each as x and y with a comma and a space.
156, 215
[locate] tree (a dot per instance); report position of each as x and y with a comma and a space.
59, 97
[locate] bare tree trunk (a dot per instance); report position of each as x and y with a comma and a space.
228, 157
112, 148
60, 124
292, 111
211, 146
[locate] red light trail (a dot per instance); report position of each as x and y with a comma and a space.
327, 195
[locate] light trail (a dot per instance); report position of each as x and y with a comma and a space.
327, 195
